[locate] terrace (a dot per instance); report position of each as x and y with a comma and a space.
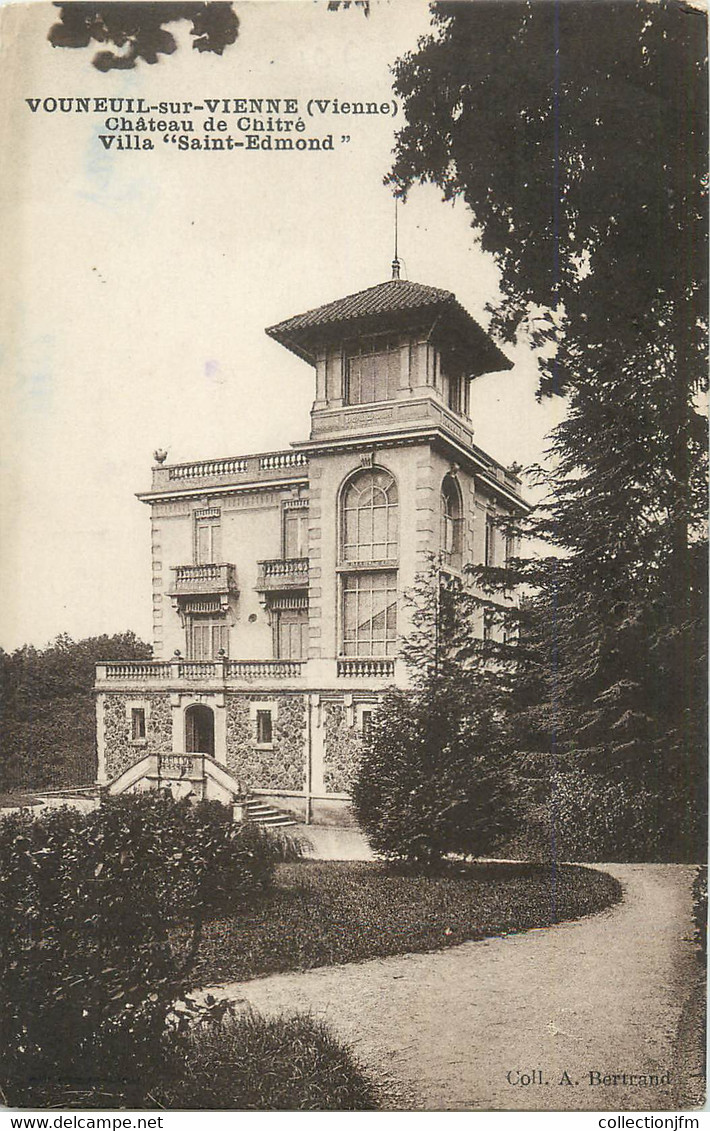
224, 674
185, 478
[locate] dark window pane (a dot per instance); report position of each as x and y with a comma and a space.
263, 727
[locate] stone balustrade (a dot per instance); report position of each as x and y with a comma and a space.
234, 469
199, 669
181, 766
209, 578
366, 669
221, 673
265, 669
208, 468
277, 461
180, 671
283, 573
134, 669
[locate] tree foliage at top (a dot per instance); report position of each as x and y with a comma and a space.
139, 31
577, 136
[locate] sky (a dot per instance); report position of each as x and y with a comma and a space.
138, 285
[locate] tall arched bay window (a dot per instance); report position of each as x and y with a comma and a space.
451, 523
369, 548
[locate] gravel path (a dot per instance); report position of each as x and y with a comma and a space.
606, 994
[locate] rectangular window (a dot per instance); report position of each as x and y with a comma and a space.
295, 533
451, 531
454, 397
292, 634
207, 540
372, 370
370, 614
264, 728
207, 637
137, 724
490, 551
509, 548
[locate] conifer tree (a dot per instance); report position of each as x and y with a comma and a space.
577, 136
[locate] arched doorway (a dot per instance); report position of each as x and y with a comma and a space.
199, 730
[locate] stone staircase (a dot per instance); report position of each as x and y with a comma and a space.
261, 814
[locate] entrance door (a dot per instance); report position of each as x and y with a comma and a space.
199, 730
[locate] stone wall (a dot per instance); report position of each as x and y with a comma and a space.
120, 752
281, 766
342, 749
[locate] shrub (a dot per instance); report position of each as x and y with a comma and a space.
595, 816
246, 1062
434, 778
87, 969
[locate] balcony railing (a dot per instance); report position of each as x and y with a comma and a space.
268, 465
179, 669
199, 669
189, 580
283, 573
366, 669
277, 461
224, 671
265, 669
134, 669
208, 468
190, 766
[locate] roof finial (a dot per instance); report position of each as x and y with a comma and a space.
395, 261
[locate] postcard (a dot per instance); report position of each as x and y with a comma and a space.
354, 505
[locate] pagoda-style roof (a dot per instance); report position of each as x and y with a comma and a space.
396, 304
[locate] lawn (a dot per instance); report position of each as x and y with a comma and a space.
324, 913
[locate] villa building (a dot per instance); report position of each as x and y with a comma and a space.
278, 579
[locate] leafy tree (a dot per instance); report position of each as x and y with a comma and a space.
336, 5
577, 136
48, 710
138, 29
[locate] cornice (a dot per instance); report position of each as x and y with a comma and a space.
220, 489
471, 460
438, 437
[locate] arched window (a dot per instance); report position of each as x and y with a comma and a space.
451, 523
369, 525
369, 538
